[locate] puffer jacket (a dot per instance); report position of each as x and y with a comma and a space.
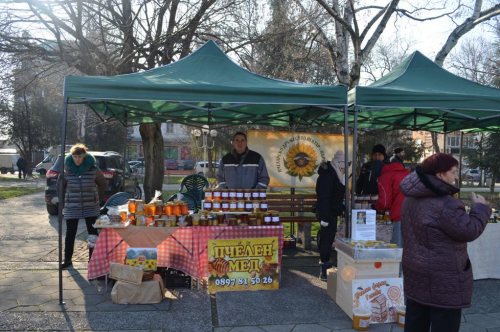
330, 193
436, 267
84, 188
389, 196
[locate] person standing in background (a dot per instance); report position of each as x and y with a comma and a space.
330, 189
370, 172
437, 271
398, 156
21, 167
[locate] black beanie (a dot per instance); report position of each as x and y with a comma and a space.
380, 149
398, 150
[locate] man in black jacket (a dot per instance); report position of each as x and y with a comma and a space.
399, 156
330, 189
21, 167
370, 172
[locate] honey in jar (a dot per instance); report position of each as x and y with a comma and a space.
159, 208
176, 209
149, 209
216, 195
208, 194
167, 208
139, 206
232, 194
132, 219
244, 218
241, 206
233, 205
207, 206
184, 209
275, 218
224, 194
267, 219
248, 206
239, 194
255, 195
263, 206
252, 222
131, 205
224, 205
256, 206
262, 194
232, 222
247, 194
216, 206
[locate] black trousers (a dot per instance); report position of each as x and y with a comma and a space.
422, 318
327, 239
22, 170
71, 229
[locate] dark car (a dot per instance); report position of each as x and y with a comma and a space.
112, 166
189, 164
171, 164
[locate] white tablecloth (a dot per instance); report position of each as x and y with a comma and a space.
484, 253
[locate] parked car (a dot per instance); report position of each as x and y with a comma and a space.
188, 164
135, 165
111, 164
45, 165
171, 164
202, 164
472, 175
8, 163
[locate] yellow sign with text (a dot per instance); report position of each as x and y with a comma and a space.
243, 264
292, 159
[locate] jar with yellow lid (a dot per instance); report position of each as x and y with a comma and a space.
275, 218
208, 194
216, 206
256, 206
232, 194
176, 209
207, 206
233, 205
267, 219
224, 205
131, 205
216, 196
247, 194
184, 208
241, 206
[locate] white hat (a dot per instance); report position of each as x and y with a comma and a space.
339, 159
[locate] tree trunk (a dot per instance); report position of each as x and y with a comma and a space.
435, 143
493, 177
152, 139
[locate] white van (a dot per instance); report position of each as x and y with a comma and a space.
47, 163
8, 163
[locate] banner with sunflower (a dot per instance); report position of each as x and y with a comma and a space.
292, 159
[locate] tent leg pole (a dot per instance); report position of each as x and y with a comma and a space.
346, 152
460, 162
354, 154
61, 196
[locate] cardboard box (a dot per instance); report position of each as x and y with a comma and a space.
126, 273
147, 292
331, 283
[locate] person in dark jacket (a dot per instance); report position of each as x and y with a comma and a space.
370, 172
84, 186
242, 168
21, 167
436, 228
330, 189
398, 156
390, 197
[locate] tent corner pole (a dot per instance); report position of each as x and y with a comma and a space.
61, 195
346, 153
460, 162
354, 154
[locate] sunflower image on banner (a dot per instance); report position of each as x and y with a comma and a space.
292, 159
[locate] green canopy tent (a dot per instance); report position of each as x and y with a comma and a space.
420, 95
203, 88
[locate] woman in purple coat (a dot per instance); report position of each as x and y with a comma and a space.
436, 268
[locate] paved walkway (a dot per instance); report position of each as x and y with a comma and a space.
29, 291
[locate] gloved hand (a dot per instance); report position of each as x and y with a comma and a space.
324, 223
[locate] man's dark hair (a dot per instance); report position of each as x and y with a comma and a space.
240, 133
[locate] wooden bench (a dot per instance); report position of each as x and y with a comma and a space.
297, 205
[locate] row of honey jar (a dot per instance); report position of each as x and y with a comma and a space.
158, 208
235, 206
234, 194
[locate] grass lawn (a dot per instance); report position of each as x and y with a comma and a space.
10, 192
492, 199
4, 178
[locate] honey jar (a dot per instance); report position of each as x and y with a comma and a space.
184, 208
216, 195
139, 206
241, 206
256, 206
167, 208
224, 194
176, 209
131, 205
232, 222
225, 205
267, 219
208, 194
247, 194
262, 194
239, 194
207, 205
233, 205
275, 218
159, 208
248, 206
252, 222
216, 206
263, 206
149, 209
232, 194
255, 195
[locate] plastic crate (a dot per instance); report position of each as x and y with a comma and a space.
177, 279
290, 242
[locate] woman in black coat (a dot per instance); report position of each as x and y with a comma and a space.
330, 189
84, 186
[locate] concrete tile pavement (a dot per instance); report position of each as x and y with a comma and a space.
29, 292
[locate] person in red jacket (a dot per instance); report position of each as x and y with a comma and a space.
390, 198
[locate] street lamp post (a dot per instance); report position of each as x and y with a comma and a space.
205, 132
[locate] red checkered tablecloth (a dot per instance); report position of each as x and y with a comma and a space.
184, 250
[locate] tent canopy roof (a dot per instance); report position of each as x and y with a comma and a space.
420, 95
205, 87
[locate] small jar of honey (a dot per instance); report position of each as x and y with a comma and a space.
241, 206
248, 206
224, 205
207, 205
233, 205
216, 206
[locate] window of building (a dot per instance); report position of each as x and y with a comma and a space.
169, 128
470, 142
171, 152
453, 141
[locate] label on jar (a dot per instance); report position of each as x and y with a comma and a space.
216, 193
262, 195
263, 205
232, 194
255, 195
225, 205
249, 206
225, 194
239, 195
233, 205
256, 206
207, 205
241, 205
216, 205
267, 219
276, 219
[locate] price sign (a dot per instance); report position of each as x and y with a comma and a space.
243, 264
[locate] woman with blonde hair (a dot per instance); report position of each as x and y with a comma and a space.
83, 187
